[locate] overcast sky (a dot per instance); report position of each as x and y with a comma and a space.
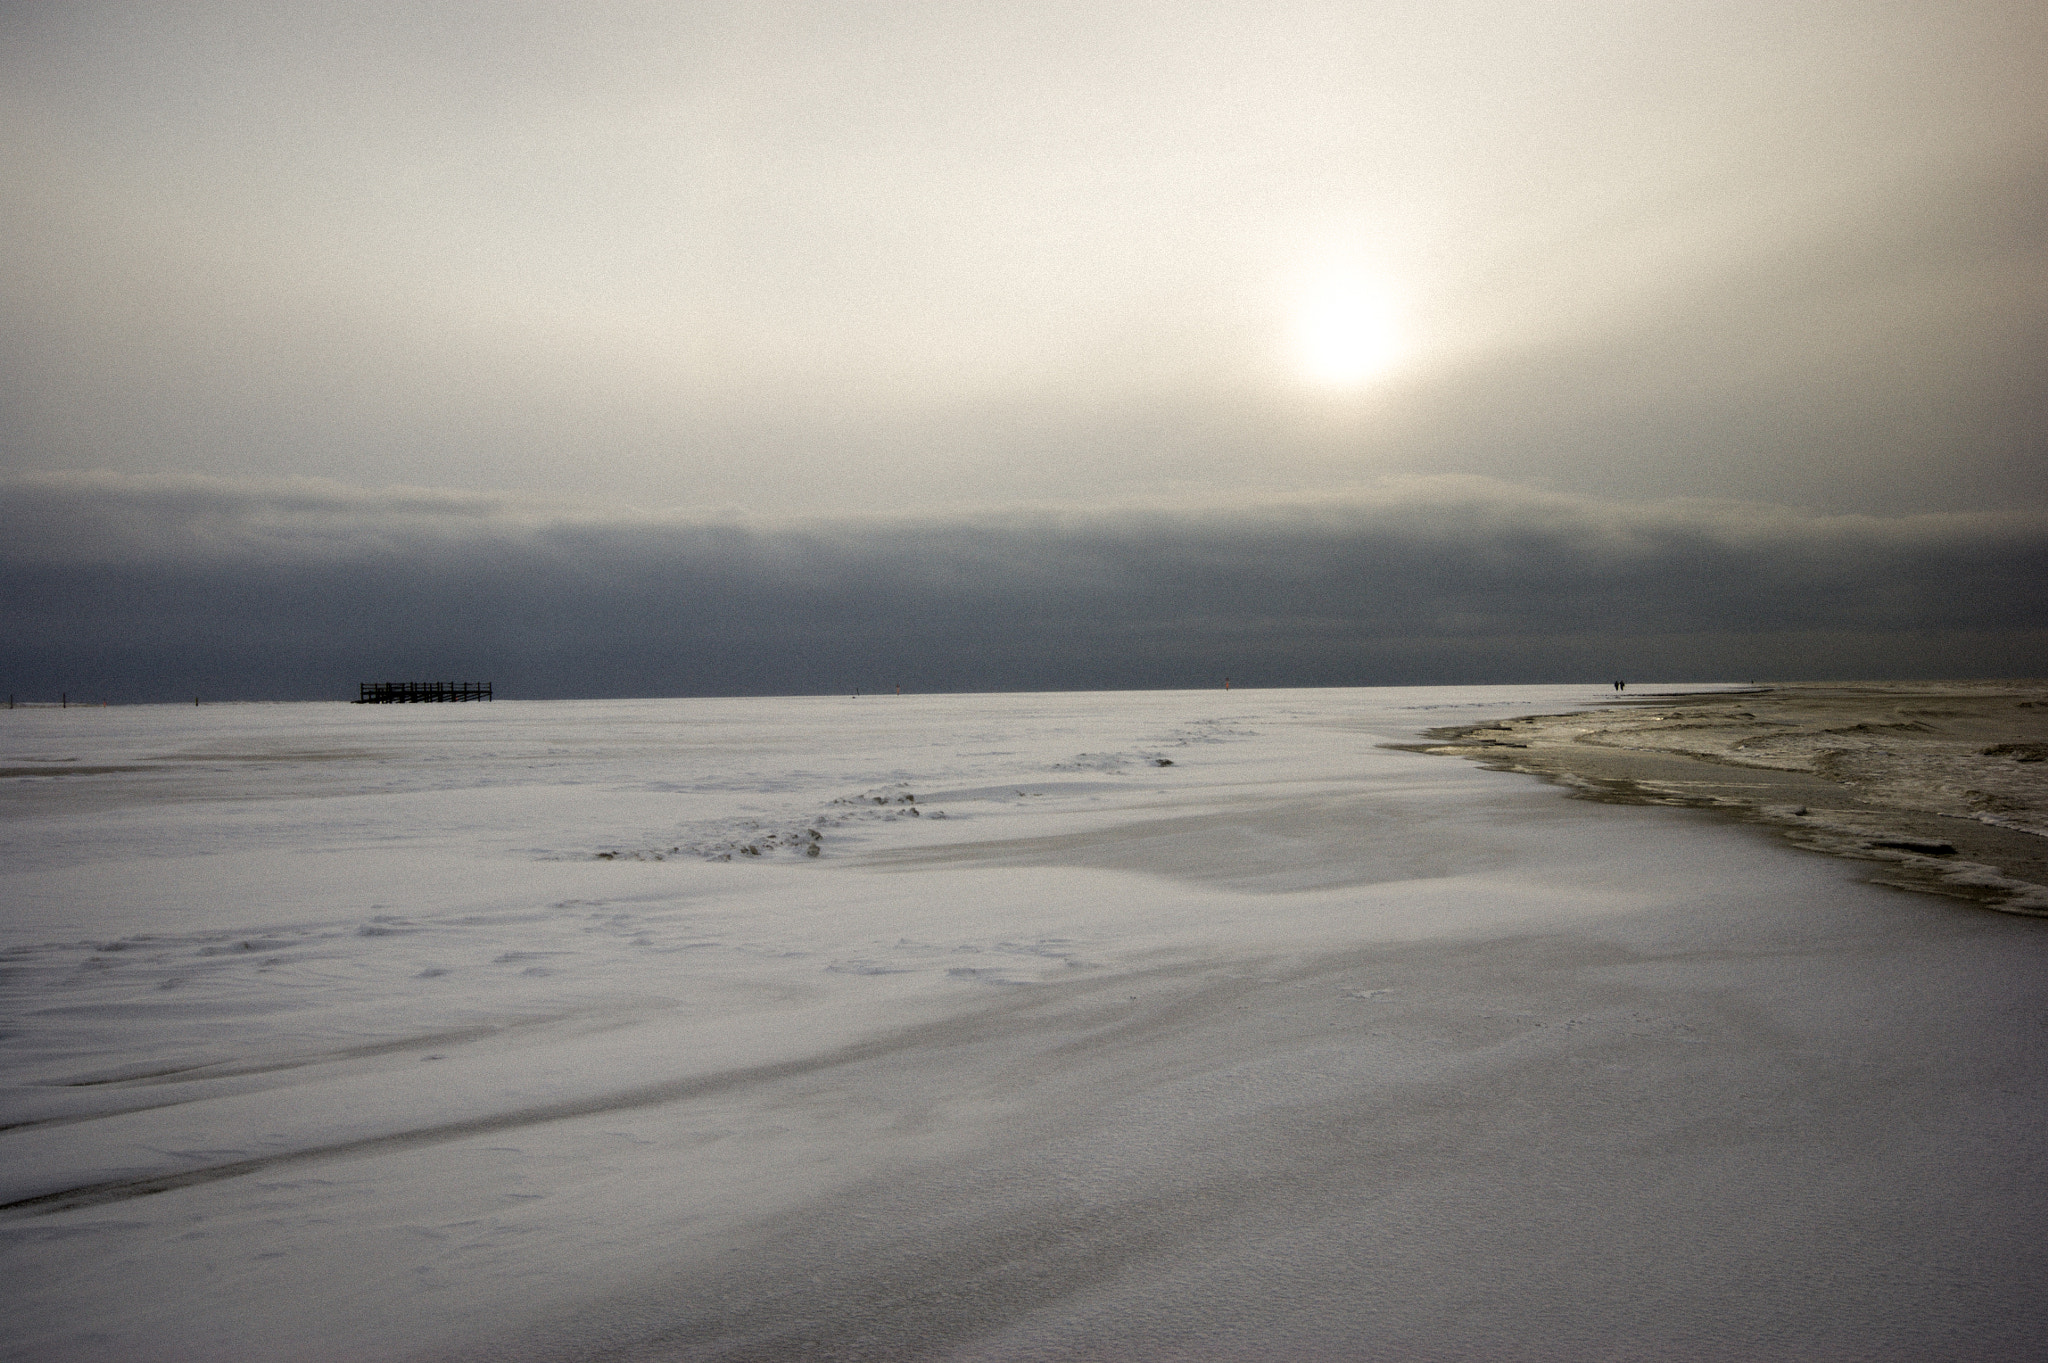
762, 265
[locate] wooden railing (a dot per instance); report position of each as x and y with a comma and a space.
409, 693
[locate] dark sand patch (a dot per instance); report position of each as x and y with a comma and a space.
1943, 783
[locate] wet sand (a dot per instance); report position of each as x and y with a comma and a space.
1944, 784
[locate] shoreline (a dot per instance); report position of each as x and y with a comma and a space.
1943, 785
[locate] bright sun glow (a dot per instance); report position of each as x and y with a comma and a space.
1344, 334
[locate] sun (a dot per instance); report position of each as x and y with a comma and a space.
1344, 334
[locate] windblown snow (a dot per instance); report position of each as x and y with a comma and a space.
1146, 1025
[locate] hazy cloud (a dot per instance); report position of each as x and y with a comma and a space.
895, 255
157, 588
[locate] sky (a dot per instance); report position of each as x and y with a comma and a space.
1033, 345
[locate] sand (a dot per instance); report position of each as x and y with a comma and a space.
1942, 783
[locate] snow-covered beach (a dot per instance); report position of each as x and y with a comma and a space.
1140, 1025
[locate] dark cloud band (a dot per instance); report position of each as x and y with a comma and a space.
142, 589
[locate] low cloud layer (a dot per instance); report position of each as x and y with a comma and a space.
131, 589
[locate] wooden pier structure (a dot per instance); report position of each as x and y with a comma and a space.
412, 693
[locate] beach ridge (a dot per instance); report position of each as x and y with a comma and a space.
1943, 784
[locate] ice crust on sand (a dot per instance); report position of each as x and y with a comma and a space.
1944, 781
330, 1032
